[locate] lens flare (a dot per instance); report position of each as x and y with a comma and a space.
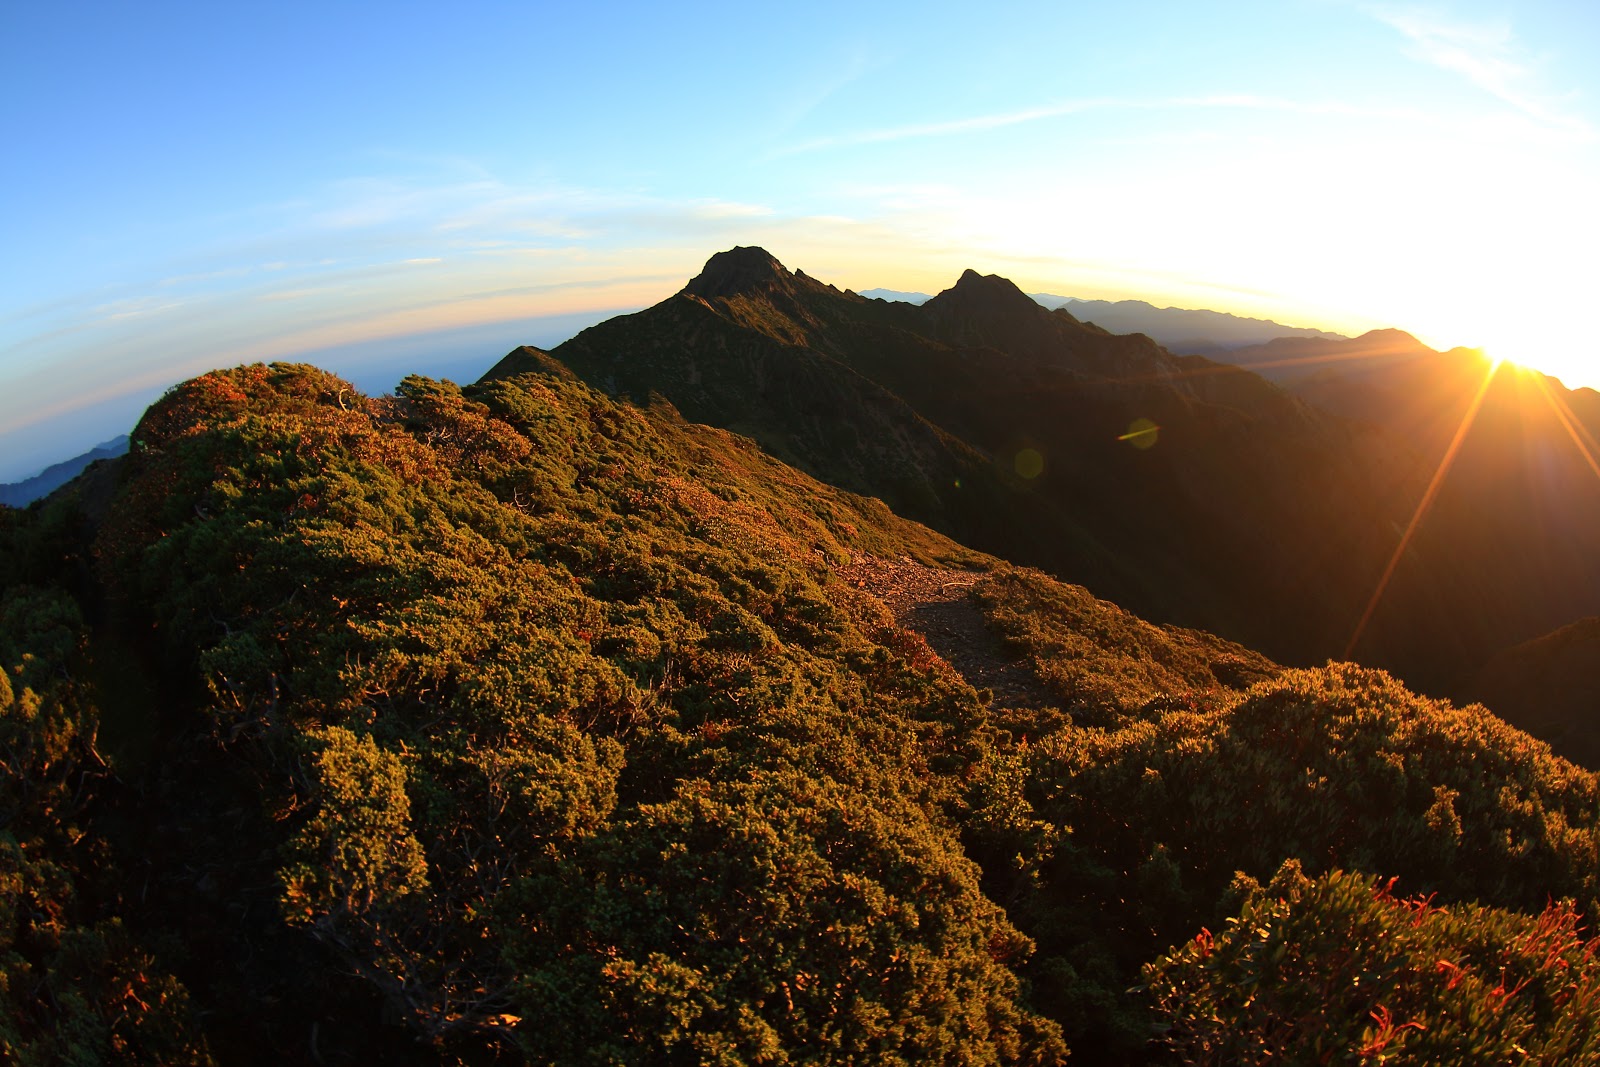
1029, 464
1142, 433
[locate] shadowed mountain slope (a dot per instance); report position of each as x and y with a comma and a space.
940, 410
1550, 687
1506, 547
1187, 489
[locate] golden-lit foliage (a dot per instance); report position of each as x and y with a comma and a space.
1104, 664
516, 647
1338, 969
542, 724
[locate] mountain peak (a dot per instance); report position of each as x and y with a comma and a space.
1391, 336
741, 270
972, 281
986, 292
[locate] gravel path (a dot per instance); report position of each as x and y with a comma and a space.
936, 604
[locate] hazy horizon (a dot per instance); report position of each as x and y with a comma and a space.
375, 366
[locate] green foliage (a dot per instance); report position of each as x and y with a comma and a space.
784, 919
1001, 830
1336, 768
1100, 661
93, 997
515, 646
557, 736
358, 852
45, 722
1335, 970
75, 987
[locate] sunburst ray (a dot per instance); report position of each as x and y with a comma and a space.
1423, 507
1576, 430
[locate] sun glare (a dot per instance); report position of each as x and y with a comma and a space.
1529, 345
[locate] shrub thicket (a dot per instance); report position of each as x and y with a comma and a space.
542, 725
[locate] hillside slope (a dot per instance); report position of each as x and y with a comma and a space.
1007, 426
517, 723
1550, 686
1185, 489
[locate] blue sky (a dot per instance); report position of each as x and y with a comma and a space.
383, 188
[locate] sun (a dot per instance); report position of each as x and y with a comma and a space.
1497, 356
1531, 345
1571, 372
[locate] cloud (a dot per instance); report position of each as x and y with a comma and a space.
946, 128
291, 294
364, 203
728, 209
135, 307
1488, 55
999, 120
832, 76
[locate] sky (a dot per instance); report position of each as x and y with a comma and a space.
386, 188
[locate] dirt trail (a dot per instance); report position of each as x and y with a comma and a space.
936, 604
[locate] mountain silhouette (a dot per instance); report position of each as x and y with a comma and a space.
1182, 330
741, 271
21, 494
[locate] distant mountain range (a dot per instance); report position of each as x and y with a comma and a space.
21, 494
896, 295
1360, 377
1179, 330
